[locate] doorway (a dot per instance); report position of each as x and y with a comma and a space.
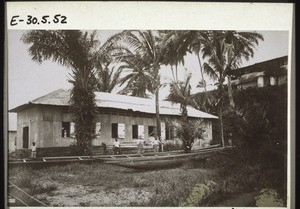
25, 137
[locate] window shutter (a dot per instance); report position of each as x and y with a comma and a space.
141, 131
98, 130
72, 130
121, 130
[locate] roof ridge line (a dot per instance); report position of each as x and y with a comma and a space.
49, 94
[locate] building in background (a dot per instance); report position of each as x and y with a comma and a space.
12, 140
47, 122
271, 72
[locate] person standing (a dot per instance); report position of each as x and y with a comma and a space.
155, 145
117, 149
140, 145
33, 150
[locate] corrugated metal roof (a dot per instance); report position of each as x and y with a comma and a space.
108, 100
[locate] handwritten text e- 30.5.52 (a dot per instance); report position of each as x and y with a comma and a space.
46, 19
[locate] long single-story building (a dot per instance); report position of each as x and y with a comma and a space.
47, 122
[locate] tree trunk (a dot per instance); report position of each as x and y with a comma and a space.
172, 70
176, 73
83, 109
158, 125
221, 124
230, 96
201, 72
221, 91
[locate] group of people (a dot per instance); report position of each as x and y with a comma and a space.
140, 145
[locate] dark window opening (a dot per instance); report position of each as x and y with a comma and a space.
114, 130
151, 130
135, 131
25, 137
65, 130
167, 131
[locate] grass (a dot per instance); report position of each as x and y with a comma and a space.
169, 187
184, 186
24, 178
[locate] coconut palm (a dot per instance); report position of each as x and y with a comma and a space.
145, 46
240, 45
170, 50
224, 51
189, 41
76, 50
138, 83
108, 78
180, 92
137, 76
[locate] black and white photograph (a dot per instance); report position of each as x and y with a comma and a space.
147, 117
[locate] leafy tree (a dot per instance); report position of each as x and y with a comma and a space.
76, 50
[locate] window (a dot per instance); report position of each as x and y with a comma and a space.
137, 130
114, 130
65, 130
118, 130
169, 132
151, 130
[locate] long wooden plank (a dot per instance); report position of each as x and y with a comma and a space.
23, 196
174, 156
105, 158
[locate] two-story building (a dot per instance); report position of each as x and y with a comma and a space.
270, 72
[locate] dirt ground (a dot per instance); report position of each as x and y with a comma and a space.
112, 186
91, 196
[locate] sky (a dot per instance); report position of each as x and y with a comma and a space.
28, 80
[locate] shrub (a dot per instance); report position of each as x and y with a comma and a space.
269, 198
171, 146
38, 188
23, 153
138, 183
200, 192
187, 131
75, 149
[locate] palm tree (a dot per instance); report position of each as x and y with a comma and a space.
143, 44
108, 74
171, 55
138, 82
224, 50
138, 78
76, 50
180, 92
240, 45
107, 78
190, 41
